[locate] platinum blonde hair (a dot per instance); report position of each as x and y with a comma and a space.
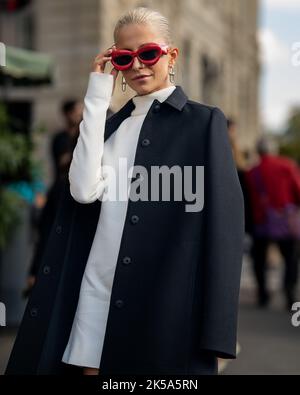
145, 16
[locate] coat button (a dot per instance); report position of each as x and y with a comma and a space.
46, 269
145, 143
33, 312
58, 229
126, 260
156, 108
119, 303
134, 219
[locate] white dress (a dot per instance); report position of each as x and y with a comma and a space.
87, 183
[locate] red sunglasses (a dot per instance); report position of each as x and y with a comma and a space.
122, 59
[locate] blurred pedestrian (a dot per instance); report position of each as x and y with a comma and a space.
65, 140
274, 188
242, 167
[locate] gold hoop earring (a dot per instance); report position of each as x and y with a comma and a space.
123, 84
171, 74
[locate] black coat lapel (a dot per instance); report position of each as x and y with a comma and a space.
115, 120
177, 100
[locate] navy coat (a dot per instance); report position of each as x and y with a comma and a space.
174, 303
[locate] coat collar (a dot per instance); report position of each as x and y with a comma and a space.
177, 100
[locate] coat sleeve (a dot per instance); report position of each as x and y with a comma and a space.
85, 175
223, 242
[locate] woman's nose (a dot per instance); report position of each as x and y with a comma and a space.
137, 63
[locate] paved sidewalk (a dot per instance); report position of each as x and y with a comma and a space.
270, 344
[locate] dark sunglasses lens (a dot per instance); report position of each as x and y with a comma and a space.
150, 54
123, 60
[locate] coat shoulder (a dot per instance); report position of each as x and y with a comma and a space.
204, 117
202, 109
200, 106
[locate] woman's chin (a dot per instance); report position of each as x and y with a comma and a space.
143, 90
143, 87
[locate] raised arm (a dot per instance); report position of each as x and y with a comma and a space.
87, 183
85, 175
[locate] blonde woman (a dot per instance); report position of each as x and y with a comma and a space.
146, 285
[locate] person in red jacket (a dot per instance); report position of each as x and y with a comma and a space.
273, 185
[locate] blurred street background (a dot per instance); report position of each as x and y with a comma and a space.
242, 56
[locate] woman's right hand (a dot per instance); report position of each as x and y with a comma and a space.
100, 63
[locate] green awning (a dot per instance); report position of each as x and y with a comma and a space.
22, 63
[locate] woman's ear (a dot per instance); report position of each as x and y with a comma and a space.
174, 54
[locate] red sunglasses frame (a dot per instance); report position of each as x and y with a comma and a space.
162, 48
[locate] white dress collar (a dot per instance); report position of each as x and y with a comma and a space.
143, 103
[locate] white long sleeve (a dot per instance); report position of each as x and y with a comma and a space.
85, 175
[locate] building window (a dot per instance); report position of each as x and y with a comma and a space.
17, 24
209, 80
186, 64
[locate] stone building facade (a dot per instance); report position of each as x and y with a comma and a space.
218, 52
